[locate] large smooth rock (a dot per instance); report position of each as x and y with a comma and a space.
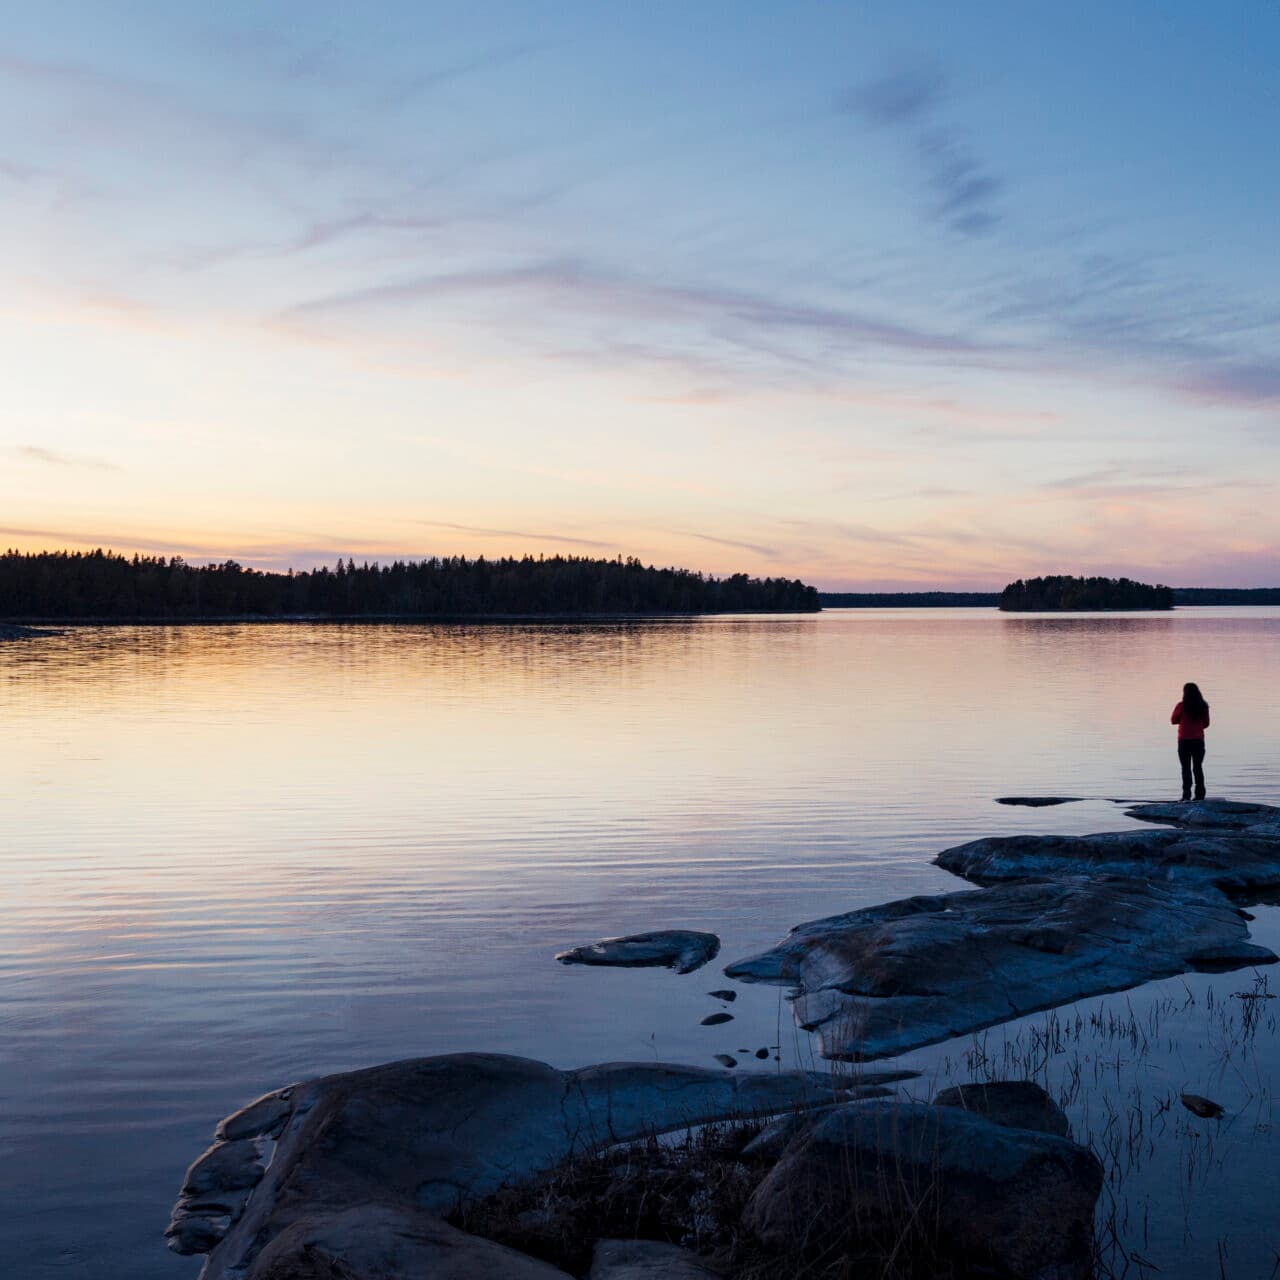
1242, 863
1017, 1200
1017, 1104
891, 978
379, 1242
647, 1260
423, 1134
683, 950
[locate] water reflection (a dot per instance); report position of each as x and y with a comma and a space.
237, 855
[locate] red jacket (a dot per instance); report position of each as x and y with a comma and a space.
1189, 728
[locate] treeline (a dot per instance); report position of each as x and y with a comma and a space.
1063, 593
1226, 595
103, 584
909, 599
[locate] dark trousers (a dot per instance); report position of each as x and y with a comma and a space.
1191, 756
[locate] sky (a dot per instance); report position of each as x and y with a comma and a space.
881, 296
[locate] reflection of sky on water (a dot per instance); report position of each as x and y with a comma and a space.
235, 856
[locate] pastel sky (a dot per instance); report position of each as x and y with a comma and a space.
875, 295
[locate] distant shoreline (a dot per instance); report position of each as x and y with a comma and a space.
991, 599
381, 619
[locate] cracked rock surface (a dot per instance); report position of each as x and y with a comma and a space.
887, 979
409, 1139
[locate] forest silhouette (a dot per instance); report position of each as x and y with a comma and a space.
1067, 593
109, 586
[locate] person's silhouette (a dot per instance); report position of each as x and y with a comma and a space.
1191, 715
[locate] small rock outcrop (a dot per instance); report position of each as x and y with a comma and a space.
886, 979
417, 1137
941, 1181
13, 631
683, 950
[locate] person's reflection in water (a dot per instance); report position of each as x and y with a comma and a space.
1191, 715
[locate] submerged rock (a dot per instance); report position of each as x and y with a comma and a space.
416, 1137
886, 979
683, 950
944, 1182
1200, 1106
1037, 802
716, 1019
1241, 863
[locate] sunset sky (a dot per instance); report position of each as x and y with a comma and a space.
909, 295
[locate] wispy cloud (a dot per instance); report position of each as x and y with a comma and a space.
962, 188
55, 458
525, 534
768, 553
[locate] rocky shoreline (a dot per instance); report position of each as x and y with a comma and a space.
357, 1174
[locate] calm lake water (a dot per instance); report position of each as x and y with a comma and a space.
237, 856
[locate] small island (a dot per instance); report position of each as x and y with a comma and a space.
1062, 594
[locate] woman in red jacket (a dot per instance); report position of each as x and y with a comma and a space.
1191, 716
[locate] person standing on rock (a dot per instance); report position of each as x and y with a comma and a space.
1191, 715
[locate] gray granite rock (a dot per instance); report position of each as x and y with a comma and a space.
647, 1260
1018, 1104
1242, 863
886, 979
683, 950
1012, 1199
421, 1135
383, 1242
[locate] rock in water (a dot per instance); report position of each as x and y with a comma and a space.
683, 950
414, 1138
715, 1019
1241, 863
726, 995
891, 978
949, 1182
1205, 1108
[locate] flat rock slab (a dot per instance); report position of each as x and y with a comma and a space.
1037, 802
1242, 863
683, 950
421, 1135
887, 979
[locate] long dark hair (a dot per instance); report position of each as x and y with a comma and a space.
1194, 707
